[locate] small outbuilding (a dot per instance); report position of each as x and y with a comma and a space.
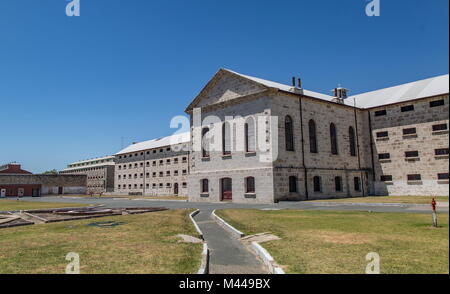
16, 182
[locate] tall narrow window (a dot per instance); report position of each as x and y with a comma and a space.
250, 185
333, 138
293, 184
289, 133
357, 184
205, 186
312, 137
338, 184
250, 138
351, 138
205, 143
226, 139
317, 184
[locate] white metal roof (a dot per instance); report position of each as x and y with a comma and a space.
283, 87
88, 166
410, 91
94, 159
156, 143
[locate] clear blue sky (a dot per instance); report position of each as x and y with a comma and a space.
71, 88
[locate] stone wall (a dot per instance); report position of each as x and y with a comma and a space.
140, 172
425, 141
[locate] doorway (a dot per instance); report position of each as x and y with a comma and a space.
226, 189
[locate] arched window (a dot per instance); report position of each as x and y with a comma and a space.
204, 186
338, 184
289, 133
317, 184
351, 138
333, 138
205, 143
293, 184
250, 138
250, 185
312, 137
226, 139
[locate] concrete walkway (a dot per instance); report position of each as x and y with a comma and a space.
227, 254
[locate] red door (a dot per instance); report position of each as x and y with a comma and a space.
227, 194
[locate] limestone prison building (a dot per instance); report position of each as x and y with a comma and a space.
156, 168
392, 141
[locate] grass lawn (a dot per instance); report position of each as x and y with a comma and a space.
25, 205
145, 243
337, 242
390, 199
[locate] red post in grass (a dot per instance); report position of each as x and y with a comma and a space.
434, 218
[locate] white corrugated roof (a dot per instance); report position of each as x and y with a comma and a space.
88, 166
93, 159
283, 87
410, 91
156, 143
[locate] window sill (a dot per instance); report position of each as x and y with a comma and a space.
250, 195
412, 159
250, 153
389, 183
409, 136
204, 195
414, 182
206, 158
227, 156
440, 132
441, 156
443, 182
384, 160
382, 139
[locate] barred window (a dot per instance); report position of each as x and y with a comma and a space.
412, 154
293, 184
380, 112
205, 185
384, 156
441, 151
226, 138
386, 178
352, 141
443, 176
437, 103
312, 137
289, 133
382, 134
357, 183
250, 138
250, 185
409, 131
407, 108
338, 184
333, 139
317, 184
439, 127
414, 177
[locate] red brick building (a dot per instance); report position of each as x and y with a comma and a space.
16, 182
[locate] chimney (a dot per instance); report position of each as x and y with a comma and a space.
340, 94
296, 85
